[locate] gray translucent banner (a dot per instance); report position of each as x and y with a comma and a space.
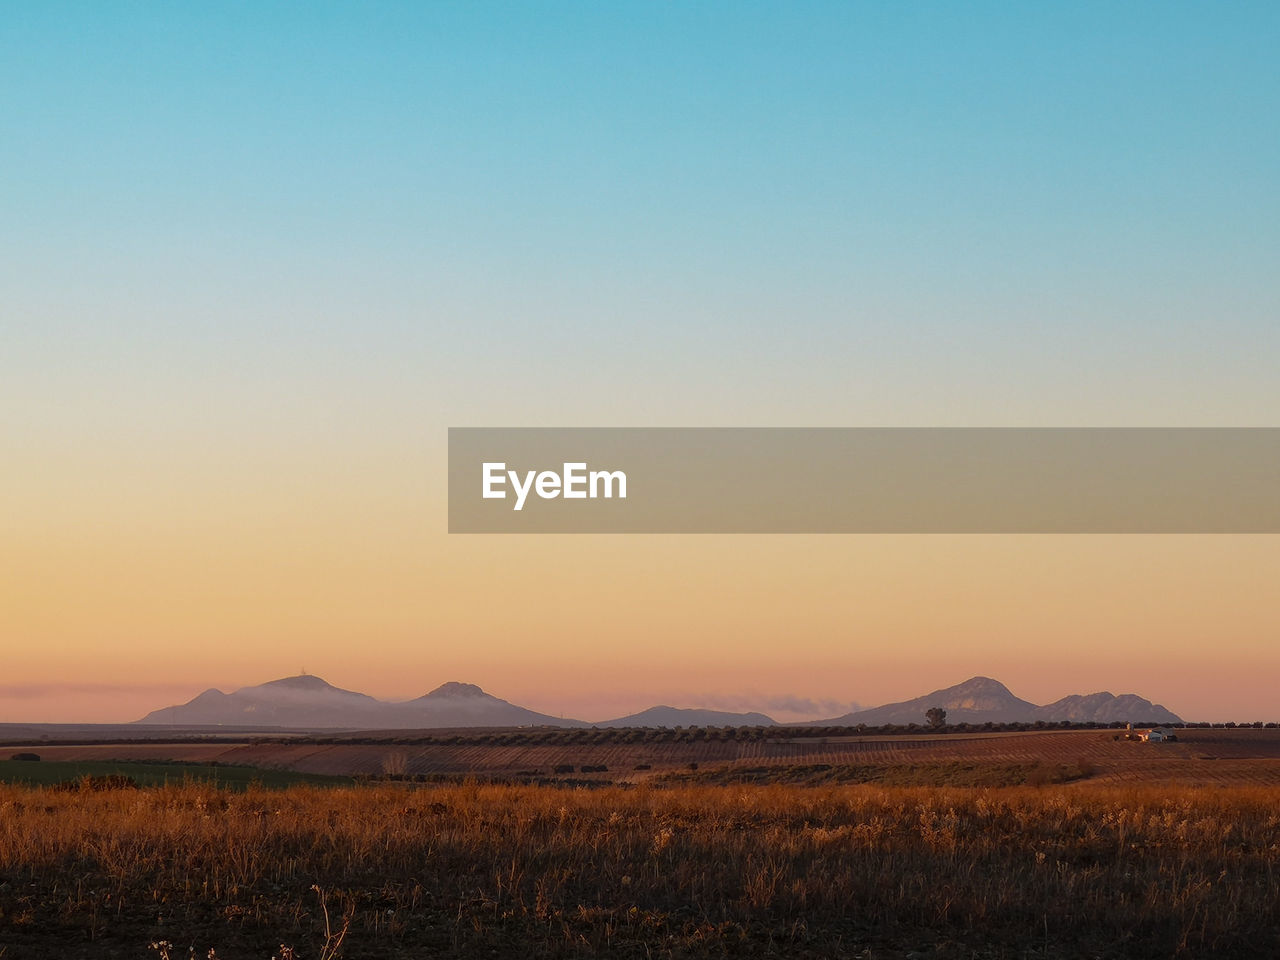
817, 480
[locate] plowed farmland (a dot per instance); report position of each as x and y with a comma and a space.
1200, 757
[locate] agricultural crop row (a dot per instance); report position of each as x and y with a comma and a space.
694, 734
1200, 757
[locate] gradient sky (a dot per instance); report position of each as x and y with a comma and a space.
256, 258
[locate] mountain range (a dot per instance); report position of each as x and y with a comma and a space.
982, 700
308, 702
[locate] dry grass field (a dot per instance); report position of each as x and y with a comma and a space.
652, 870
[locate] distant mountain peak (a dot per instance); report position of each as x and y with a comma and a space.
303, 681
1105, 707
668, 716
455, 689
308, 702
985, 685
982, 699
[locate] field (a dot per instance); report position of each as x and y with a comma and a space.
1042, 844
72, 774
1211, 757
689, 871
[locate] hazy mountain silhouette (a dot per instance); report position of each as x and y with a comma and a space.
311, 703
302, 701
466, 705
664, 716
982, 700
975, 701
1105, 707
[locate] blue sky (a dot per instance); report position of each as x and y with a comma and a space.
950, 189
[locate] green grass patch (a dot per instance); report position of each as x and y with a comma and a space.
151, 774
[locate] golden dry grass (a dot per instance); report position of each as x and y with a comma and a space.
695, 870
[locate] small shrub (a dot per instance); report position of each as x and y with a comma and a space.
94, 784
1038, 776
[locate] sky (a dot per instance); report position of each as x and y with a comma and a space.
255, 259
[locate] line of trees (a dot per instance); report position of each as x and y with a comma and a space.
621, 736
